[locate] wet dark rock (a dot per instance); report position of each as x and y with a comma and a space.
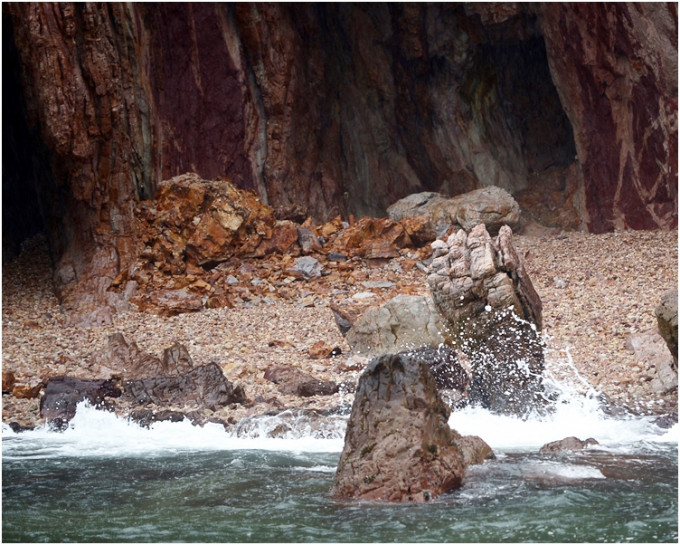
569, 443
398, 445
667, 420
63, 393
146, 417
292, 381
447, 371
19, 428
204, 386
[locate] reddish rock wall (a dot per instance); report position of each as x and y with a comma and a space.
339, 109
615, 66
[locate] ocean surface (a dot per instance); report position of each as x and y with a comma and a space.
105, 479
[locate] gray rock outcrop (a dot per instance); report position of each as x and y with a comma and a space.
667, 319
568, 443
658, 366
491, 206
481, 288
398, 444
402, 323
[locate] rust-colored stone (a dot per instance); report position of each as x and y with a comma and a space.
8, 381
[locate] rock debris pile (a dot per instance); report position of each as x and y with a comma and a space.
197, 235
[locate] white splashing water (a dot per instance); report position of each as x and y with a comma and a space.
96, 433
577, 412
99, 433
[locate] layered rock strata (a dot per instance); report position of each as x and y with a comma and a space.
481, 288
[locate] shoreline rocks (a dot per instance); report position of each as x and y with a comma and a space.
398, 445
568, 444
630, 270
481, 288
402, 323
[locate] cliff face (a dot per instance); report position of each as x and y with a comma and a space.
327, 109
616, 68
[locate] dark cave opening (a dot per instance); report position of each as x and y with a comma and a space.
532, 104
28, 187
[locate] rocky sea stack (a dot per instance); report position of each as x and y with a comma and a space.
398, 444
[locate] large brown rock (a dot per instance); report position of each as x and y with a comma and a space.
398, 445
483, 291
205, 222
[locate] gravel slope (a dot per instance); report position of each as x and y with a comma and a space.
596, 290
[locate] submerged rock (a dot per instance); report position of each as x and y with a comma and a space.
569, 443
398, 444
481, 288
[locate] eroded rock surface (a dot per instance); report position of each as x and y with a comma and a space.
398, 445
659, 366
203, 387
122, 359
481, 288
334, 109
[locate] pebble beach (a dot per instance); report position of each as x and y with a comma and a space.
596, 290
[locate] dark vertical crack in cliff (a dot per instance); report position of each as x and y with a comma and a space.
30, 199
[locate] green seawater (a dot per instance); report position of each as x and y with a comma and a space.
270, 496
